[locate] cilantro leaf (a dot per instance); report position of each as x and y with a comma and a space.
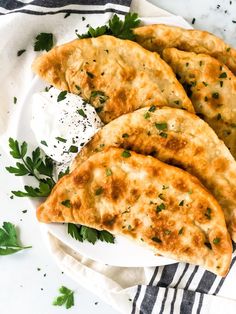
8, 240
44, 41
66, 298
116, 27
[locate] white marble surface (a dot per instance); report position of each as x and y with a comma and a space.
215, 16
24, 288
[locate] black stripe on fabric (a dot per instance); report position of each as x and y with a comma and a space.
164, 301
176, 286
188, 296
191, 277
200, 304
135, 300
165, 280
187, 302
223, 279
182, 275
67, 11
150, 299
154, 276
206, 282
14, 5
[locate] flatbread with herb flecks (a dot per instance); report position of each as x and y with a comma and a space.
179, 138
116, 76
212, 89
147, 201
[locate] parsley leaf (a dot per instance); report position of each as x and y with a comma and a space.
37, 166
116, 27
61, 96
66, 298
106, 236
8, 240
42, 168
74, 231
44, 41
123, 29
89, 234
82, 233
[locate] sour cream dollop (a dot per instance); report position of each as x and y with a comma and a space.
62, 125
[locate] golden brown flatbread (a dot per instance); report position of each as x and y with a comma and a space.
159, 36
154, 204
212, 89
179, 138
116, 76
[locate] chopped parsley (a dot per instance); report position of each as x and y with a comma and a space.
208, 213
181, 230
61, 139
146, 115
100, 94
215, 95
216, 240
218, 117
181, 203
125, 135
108, 172
152, 108
126, 154
44, 143
161, 126
99, 191
61, 96
223, 75
167, 232
66, 203
164, 135
20, 52
160, 207
156, 239
73, 149
206, 84
15, 100
82, 113
90, 74
44, 41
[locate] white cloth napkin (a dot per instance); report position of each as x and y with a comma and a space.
169, 289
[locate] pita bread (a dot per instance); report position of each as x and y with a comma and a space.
212, 89
116, 76
147, 201
159, 36
179, 138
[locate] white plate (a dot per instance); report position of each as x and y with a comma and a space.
123, 252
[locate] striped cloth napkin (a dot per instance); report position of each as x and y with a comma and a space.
176, 288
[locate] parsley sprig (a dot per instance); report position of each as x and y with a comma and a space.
82, 233
9, 243
116, 27
42, 169
36, 165
66, 298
